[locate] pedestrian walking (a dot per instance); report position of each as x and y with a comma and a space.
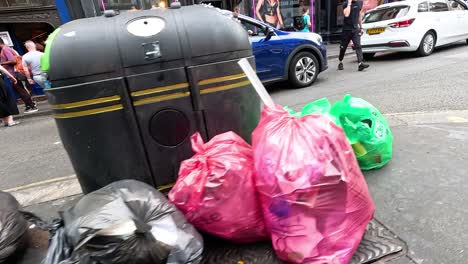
32, 64
8, 61
352, 30
8, 106
306, 19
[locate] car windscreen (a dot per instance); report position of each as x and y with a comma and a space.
386, 13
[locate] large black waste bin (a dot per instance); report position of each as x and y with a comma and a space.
129, 90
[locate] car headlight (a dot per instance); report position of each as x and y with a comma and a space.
319, 39
316, 37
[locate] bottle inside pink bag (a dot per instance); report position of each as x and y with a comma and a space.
216, 192
315, 200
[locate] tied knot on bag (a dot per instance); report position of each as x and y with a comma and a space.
198, 145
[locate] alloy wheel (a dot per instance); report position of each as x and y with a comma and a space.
305, 70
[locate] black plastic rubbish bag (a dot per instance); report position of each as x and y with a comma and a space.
126, 222
13, 227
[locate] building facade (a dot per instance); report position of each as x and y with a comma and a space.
22, 20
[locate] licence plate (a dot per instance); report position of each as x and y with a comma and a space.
375, 31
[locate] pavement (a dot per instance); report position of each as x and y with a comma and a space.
420, 195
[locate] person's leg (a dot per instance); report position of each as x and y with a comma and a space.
356, 36
23, 94
357, 44
345, 39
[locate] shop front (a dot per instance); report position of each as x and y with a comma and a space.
326, 15
22, 20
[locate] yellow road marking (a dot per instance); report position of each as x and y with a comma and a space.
36, 184
456, 119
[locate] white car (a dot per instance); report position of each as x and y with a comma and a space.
414, 25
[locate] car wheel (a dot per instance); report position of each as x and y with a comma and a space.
303, 70
368, 56
427, 44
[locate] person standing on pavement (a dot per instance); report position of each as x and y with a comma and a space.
352, 30
32, 64
8, 61
306, 19
8, 106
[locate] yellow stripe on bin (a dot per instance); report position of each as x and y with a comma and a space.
225, 87
90, 112
160, 98
223, 79
160, 89
86, 102
165, 187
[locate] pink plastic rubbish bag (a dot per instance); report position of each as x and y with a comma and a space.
216, 191
315, 200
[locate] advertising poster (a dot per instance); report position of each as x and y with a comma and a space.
281, 14
6, 38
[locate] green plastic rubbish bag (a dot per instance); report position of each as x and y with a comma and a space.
367, 131
321, 106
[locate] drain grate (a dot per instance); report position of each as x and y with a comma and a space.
378, 243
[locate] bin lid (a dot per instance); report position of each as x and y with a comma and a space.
190, 35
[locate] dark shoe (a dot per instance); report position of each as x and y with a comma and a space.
362, 66
31, 109
340, 66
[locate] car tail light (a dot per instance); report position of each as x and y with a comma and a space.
401, 24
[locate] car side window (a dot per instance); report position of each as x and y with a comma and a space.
423, 7
438, 6
455, 6
254, 30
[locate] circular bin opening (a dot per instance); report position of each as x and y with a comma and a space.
169, 127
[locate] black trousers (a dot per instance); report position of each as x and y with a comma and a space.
355, 36
7, 102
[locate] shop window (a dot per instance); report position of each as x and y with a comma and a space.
25, 3
132, 5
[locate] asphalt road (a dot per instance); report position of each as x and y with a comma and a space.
395, 83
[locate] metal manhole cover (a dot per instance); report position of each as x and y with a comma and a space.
378, 243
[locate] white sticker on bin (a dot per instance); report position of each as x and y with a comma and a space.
146, 26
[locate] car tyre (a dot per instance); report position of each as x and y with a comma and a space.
427, 44
368, 56
303, 69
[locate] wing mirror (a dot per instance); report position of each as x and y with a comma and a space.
269, 33
454, 5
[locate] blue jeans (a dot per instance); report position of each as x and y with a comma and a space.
39, 79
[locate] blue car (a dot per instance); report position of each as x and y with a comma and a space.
295, 56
